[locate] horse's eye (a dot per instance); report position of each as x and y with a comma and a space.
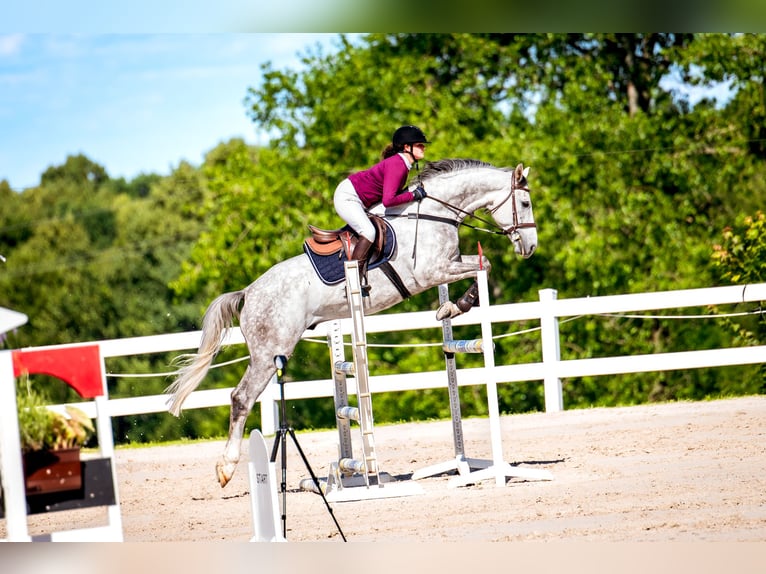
525, 204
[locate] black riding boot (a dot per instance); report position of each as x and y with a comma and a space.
361, 250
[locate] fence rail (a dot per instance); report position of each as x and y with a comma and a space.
551, 370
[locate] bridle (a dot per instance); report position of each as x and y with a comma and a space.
512, 230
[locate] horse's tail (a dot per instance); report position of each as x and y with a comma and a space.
219, 316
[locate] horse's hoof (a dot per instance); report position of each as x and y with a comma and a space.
447, 310
224, 472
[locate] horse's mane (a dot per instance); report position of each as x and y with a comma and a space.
445, 166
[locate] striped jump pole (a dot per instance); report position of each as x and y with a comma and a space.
451, 347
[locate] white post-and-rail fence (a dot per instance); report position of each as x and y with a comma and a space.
551, 370
548, 310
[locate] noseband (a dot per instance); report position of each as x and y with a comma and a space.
513, 229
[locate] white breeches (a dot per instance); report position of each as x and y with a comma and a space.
352, 211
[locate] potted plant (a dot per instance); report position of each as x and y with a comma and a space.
50, 443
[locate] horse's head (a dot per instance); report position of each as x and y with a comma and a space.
463, 186
513, 213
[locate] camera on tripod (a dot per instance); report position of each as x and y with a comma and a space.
280, 362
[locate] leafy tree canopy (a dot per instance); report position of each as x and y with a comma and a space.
633, 185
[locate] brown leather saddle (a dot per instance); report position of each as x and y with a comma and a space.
327, 251
328, 242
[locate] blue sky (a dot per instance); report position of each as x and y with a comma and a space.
133, 103
138, 103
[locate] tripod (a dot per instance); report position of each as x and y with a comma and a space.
281, 439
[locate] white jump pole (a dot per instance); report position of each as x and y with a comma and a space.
489, 364
11, 470
499, 470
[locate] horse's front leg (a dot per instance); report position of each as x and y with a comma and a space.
470, 298
243, 398
465, 267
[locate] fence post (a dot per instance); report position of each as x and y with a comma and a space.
549, 332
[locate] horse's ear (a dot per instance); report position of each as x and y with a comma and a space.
525, 173
520, 172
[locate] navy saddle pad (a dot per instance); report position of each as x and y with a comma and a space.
330, 268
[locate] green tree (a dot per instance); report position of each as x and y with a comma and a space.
738, 61
634, 199
91, 258
628, 179
632, 185
76, 169
741, 256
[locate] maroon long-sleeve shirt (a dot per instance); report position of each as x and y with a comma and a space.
383, 182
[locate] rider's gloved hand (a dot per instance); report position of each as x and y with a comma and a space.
419, 193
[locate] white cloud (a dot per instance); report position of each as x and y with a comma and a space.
11, 44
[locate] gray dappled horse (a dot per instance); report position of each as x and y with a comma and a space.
276, 309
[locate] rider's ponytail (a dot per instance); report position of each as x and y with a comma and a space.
389, 151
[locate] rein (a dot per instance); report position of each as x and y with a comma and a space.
511, 230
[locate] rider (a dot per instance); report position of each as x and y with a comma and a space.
383, 182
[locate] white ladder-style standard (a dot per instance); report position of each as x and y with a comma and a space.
353, 478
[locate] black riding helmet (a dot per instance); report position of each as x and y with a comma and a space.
408, 135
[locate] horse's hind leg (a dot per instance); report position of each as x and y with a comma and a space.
243, 397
